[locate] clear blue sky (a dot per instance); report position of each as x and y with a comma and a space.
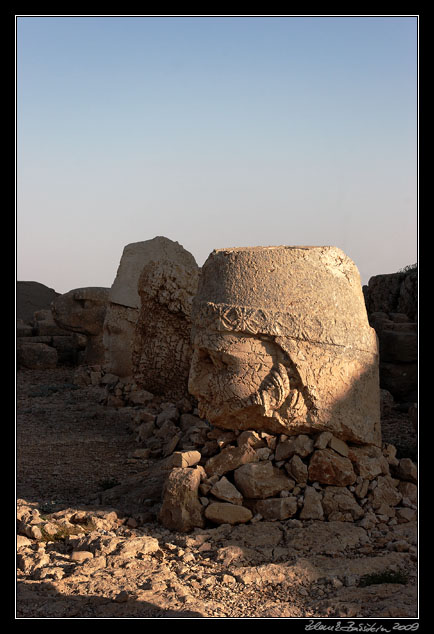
215, 132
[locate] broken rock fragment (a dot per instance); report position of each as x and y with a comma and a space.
327, 467
181, 509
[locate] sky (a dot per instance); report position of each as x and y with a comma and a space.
214, 131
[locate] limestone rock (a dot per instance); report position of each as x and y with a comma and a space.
226, 491
297, 469
181, 509
327, 467
260, 480
276, 508
282, 344
161, 347
385, 493
185, 458
339, 504
408, 490
82, 310
339, 446
312, 507
407, 470
301, 445
36, 356
368, 462
230, 458
323, 439
226, 513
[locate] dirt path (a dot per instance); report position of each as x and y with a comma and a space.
90, 561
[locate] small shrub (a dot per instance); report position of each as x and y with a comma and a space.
387, 576
63, 532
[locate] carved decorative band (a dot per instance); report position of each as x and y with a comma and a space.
256, 321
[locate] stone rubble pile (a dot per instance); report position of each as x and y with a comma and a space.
258, 476
214, 476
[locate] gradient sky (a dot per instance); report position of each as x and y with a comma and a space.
214, 132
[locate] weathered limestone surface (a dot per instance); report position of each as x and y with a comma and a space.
82, 310
260, 480
282, 344
161, 349
130, 331
226, 513
181, 509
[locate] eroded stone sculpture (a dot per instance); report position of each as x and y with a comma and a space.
282, 344
125, 303
162, 347
82, 310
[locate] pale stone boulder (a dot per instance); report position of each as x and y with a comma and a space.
185, 458
276, 508
230, 458
226, 513
282, 344
82, 310
226, 491
312, 507
181, 509
260, 480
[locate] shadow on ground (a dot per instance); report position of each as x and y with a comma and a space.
45, 601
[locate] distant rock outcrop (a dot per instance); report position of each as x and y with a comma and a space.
32, 296
391, 303
41, 342
393, 293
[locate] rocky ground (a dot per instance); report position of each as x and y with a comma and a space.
79, 558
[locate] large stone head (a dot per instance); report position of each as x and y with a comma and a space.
282, 344
83, 310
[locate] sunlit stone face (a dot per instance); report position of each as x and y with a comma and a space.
240, 380
282, 344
